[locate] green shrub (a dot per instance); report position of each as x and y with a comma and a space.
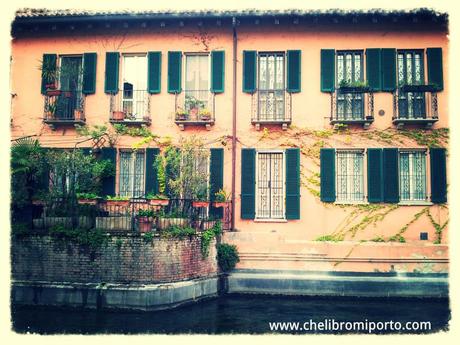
207, 236
93, 238
227, 256
178, 231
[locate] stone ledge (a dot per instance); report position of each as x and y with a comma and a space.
113, 296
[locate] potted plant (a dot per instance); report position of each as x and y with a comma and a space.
157, 199
49, 73
145, 220
205, 114
88, 198
50, 110
181, 114
160, 198
117, 201
118, 115
417, 87
193, 104
78, 114
221, 198
201, 197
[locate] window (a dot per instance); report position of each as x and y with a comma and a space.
197, 168
132, 168
270, 185
350, 175
70, 83
196, 83
271, 87
350, 106
412, 175
134, 82
411, 72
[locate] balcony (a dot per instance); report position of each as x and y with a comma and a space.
130, 107
415, 105
196, 108
271, 107
352, 106
64, 107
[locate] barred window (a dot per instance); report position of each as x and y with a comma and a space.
271, 86
270, 185
350, 175
412, 175
132, 172
350, 106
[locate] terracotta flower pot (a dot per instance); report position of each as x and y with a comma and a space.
78, 114
53, 92
145, 224
218, 204
118, 115
88, 201
200, 203
159, 202
119, 203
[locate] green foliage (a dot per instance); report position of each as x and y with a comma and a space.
378, 239
357, 84
89, 196
328, 238
117, 198
148, 237
152, 196
118, 243
222, 196
397, 238
160, 166
19, 229
434, 138
207, 236
93, 238
145, 213
175, 231
142, 131
97, 132
227, 256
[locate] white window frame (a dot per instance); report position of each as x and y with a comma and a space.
364, 199
411, 201
133, 153
257, 208
133, 100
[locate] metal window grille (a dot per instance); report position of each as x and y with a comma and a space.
270, 185
350, 106
350, 176
412, 105
271, 95
132, 170
412, 175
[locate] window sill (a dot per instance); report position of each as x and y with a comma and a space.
269, 220
351, 203
415, 203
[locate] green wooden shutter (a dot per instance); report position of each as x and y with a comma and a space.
48, 64
373, 71
175, 72
89, 73
217, 71
327, 163
111, 72
438, 166
249, 71
108, 183
151, 179
248, 183
294, 71
374, 175
216, 178
154, 72
388, 62
293, 183
434, 62
327, 70
390, 175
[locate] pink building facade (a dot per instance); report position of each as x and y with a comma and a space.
330, 130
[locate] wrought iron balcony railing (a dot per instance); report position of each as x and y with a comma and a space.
195, 107
352, 106
130, 107
64, 107
415, 104
271, 107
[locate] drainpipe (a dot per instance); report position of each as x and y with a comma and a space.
234, 122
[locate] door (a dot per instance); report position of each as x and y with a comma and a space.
271, 87
196, 83
350, 106
70, 82
270, 185
134, 93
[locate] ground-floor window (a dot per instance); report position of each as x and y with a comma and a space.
350, 175
270, 185
412, 175
132, 174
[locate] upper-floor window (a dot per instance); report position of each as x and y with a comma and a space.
271, 95
412, 175
350, 175
350, 106
134, 100
196, 88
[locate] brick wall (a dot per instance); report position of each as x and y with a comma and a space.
125, 259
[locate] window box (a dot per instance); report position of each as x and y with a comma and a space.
118, 115
200, 203
219, 204
117, 203
418, 88
84, 201
159, 202
354, 89
53, 92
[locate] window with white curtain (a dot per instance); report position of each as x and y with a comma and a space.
196, 81
132, 174
412, 175
350, 175
134, 83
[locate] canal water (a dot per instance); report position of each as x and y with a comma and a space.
237, 314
